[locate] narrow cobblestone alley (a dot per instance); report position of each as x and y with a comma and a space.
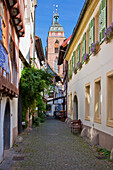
52, 147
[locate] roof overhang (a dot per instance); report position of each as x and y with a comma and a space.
62, 50
17, 9
24, 61
39, 48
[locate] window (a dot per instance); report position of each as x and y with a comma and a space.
10, 36
56, 42
56, 50
102, 19
2, 24
59, 33
87, 102
83, 46
110, 99
73, 61
91, 34
87, 41
97, 101
78, 53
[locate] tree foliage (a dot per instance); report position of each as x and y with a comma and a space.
32, 85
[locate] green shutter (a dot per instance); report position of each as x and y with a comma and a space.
83, 46
102, 19
78, 53
100, 23
73, 61
70, 67
71, 64
104, 15
91, 34
68, 72
89, 37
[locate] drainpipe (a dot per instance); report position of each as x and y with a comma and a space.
35, 5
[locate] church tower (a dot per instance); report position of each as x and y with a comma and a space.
54, 40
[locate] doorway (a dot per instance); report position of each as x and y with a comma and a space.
75, 114
7, 126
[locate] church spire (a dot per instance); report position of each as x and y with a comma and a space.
56, 27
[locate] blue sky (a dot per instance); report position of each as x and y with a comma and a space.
69, 11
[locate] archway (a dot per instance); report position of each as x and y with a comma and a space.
7, 126
75, 102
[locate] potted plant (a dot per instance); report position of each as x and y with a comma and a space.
95, 47
75, 70
108, 34
79, 65
86, 58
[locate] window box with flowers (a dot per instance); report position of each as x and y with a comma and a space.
71, 75
86, 58
108, 35
79, 65
95, 48
75, 70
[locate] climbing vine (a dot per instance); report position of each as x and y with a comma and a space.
33, 84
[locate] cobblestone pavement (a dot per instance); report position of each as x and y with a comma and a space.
53, 147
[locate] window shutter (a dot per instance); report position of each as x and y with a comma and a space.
83, 46
100, 23
102, 19
89, 37
69, 70
71, 65
91, 34
73, 61
104, 15
78, 53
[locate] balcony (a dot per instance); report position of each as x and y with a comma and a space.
8, 77
17, 9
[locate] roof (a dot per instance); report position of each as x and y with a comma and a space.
39, 48
78, 24
62, 50
66, 41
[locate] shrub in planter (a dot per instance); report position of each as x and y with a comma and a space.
108, 35
95, 47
